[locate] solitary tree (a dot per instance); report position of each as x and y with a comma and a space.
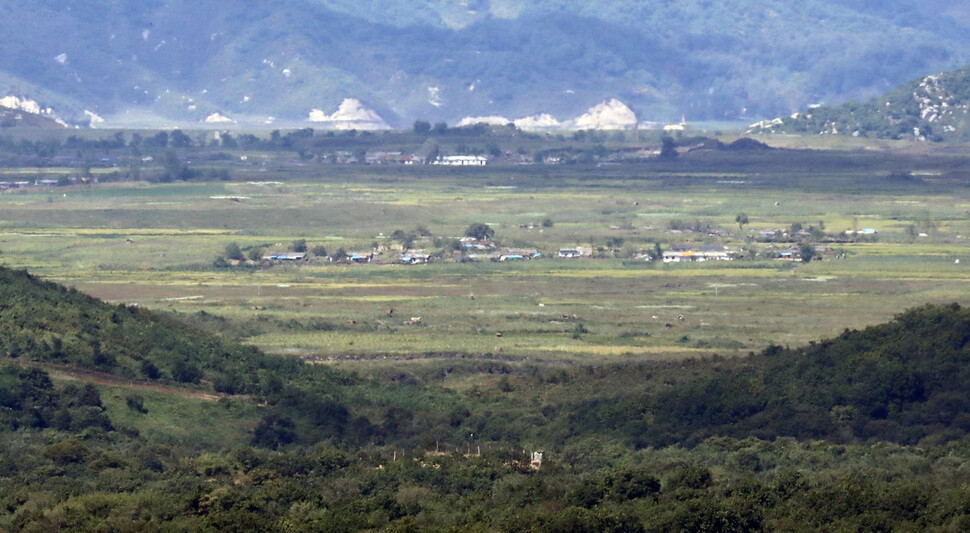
234, 252
480, 231
668, 150
741, 219
422, 126
808, 252
179, 139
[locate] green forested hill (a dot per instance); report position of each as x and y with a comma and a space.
933, 108
47, 322
446, 59
900, 382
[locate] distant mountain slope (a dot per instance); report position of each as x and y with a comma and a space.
935, 108
274, 62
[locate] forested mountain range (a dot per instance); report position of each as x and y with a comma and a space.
259, 62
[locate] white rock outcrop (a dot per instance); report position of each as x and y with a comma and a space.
94, 119
609, 115
351, 114
218, 118
493, 120
24, 104
540, 122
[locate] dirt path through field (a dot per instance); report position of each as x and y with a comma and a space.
68, 373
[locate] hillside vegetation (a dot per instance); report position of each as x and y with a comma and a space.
50, 323
712, 444
931, 108
445, 60
898, 382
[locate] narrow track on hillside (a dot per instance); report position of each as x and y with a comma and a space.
72, 373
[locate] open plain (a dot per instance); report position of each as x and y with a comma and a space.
889, 222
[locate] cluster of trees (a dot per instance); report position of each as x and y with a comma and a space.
28, 399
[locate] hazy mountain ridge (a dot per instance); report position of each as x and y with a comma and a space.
443, 60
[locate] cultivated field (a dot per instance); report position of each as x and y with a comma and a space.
154, 245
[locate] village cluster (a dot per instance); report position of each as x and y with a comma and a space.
475, 250
25, 184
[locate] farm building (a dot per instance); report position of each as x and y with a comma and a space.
286, 256
518, 255
578, 251
697, 255
789, 255
414, 258
360, 257
462, 160
470, 243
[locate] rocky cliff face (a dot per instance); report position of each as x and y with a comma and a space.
941, 104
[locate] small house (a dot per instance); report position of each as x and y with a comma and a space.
360, 257
470, 244
414, 258
518, 255
286, 256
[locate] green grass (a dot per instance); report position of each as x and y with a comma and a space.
190, 423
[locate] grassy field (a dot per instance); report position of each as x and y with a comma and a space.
154, 245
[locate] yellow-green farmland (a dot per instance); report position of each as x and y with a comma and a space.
889, 231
